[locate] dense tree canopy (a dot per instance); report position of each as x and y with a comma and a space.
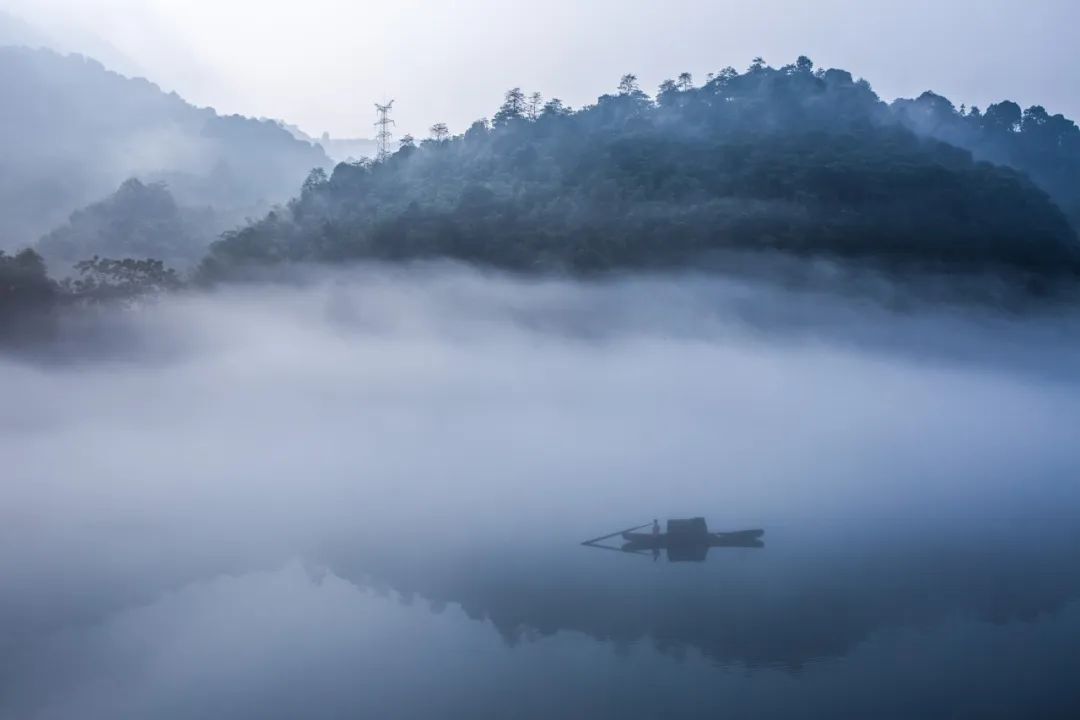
102, 280
1046, 147
138, 220
788, 159
26, 292
28, 296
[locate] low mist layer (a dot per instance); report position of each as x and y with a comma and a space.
440, 413
267, 417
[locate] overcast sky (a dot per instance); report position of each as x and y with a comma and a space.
322, 63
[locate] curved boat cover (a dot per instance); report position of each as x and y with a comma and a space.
692, 528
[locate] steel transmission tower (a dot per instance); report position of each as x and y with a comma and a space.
383, 136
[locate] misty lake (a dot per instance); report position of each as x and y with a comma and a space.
364, 495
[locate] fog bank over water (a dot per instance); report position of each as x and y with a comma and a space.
411, 390
442, 411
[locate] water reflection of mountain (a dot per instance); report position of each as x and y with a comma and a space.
749, 606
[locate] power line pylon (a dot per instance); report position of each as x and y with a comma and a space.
383, 136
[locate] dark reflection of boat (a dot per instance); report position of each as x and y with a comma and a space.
695, 550
648, 541
818, 594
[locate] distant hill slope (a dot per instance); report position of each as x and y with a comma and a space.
137, 221
784, 159
16, 31
349, 149
339, 149
72, 131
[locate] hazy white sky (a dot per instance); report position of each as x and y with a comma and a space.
322, 63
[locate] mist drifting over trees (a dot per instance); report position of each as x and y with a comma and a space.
283, 437
792, 161
71, 132
787, 159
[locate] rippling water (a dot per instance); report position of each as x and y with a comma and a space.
365, 495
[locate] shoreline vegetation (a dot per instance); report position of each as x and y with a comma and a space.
790, 162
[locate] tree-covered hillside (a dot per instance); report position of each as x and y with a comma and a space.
788, 159
26, 294
139, 220
29, 298
72, 131
1045, 146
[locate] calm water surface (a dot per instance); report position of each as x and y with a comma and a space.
305, 509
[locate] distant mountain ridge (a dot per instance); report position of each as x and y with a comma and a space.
72, 131
339, 149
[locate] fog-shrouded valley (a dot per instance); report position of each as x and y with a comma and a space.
302, 425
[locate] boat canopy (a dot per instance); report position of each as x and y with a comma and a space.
692, 528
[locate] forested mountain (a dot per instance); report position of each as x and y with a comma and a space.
137, 221
788, 159
71, 132
1045, 146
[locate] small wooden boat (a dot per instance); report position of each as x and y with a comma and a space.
685, 540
